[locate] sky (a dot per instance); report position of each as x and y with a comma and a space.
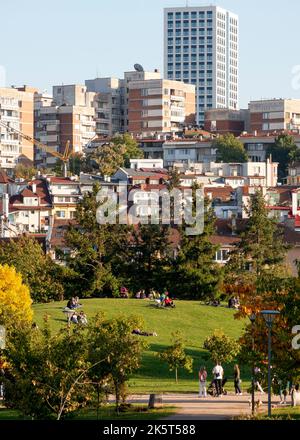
68, 41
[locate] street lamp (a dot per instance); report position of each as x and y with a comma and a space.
252, 318
269, 316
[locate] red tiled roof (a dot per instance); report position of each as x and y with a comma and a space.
224, 240
63, 180
224, 193
4, 179
28, 193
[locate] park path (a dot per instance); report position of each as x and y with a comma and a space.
190, 407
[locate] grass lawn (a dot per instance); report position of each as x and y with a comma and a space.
135, 412
195, 320
286, 413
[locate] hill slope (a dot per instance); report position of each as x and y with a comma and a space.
196, 321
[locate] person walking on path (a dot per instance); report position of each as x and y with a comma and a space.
202, 382
237, 380
258, 376
218, 373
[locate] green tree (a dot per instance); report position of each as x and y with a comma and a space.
175, 355
47, 376
230, 149
195, 275
261, 248
43, 277
25, 172
130, 147
221, 348
283, 151
145, 262
111, 156
113, 341
94, 249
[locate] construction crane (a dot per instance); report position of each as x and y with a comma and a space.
63, 157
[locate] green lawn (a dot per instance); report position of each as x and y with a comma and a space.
195, 320
287, 413
135, 412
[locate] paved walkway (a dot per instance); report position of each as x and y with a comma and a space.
190, 407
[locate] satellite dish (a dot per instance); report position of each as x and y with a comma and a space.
138, 68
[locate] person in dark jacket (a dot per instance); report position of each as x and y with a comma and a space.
237, 380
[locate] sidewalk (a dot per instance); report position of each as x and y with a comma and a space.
190, 407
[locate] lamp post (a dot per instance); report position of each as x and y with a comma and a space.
269, 316
252, 318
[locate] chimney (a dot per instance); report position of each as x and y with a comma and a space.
5, 205
33, 186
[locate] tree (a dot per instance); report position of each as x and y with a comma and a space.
145, 261
15, 301
110, 156
94, 250
261, 248
221, 348
47, 376
283, 151
176, 356
25, 172
230, 149
131, 148
113, 341
43, 277
195, 275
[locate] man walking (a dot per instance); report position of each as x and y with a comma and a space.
218, 373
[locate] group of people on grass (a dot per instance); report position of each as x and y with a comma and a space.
162, 299
73, 316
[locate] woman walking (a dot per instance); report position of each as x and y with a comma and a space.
237, 380
202, 382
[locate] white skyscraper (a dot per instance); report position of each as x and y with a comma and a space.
201, 47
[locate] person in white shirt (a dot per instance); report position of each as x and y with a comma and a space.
218, 373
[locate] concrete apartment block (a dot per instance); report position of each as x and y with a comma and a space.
68, 116
274, 114
160, 106
201, 47
16, 110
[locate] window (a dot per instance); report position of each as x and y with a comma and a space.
222, 255
61, 214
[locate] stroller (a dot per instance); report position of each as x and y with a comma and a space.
212, 389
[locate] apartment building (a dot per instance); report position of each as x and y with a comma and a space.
201, 47
224, 121
160, 106
108, 109
274, 115
69, 116
16, 110
112, 100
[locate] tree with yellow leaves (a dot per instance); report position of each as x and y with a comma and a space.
15, 300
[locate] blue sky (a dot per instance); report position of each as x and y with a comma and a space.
68, 41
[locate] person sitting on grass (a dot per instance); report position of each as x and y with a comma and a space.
137, 331
82, 319
169, 302
71, 303
74, 318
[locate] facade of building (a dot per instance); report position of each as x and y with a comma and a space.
201, 47
224, 121
70, 116
274, 115
160, 106
16, 110
109, 113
